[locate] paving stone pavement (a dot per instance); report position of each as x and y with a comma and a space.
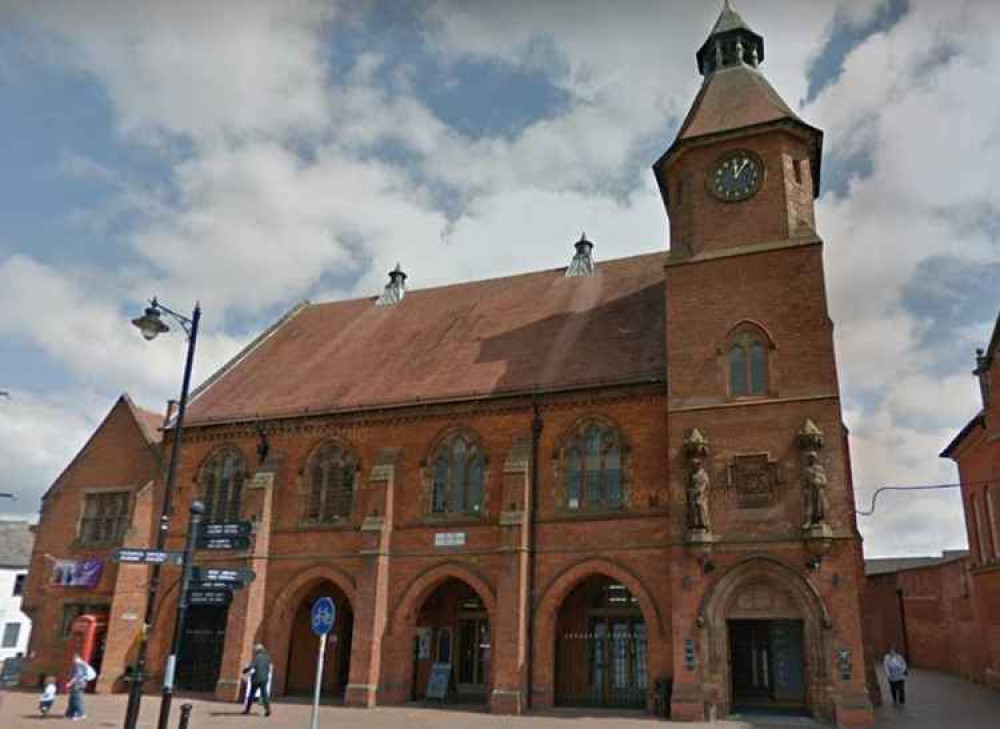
934, 701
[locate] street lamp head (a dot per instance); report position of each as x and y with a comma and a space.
150, 323
197, 507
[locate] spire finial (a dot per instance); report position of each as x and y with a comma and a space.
736, 40
583, 262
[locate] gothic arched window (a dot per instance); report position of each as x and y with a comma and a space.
221, 481
593, 463
747, 364
458, 466
328, 484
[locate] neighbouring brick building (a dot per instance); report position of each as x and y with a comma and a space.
101, 501
944, 613
976, 450
568, 486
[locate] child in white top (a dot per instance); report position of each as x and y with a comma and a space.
48, 697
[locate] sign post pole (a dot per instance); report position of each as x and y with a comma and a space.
324, 615
319, 680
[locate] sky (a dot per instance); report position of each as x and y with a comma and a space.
254, 154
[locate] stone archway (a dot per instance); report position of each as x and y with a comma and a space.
399, 667
281, 621
556, 593
758, 591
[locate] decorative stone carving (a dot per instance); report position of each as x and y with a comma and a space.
753, 480
816, 501
810, 437
698, 518
698, 483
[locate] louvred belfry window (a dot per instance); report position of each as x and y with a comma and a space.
458, 467
329, 484
221, 481
594, 469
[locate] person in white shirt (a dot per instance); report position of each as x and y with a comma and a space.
896, 671
48, 697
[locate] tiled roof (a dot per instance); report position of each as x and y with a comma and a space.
733, 98
16, 541
533, 332
151, 423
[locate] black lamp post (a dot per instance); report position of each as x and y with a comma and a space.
151, 325
197, 509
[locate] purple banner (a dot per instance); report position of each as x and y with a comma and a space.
77, 572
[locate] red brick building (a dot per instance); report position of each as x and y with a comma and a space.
101, 501
976, 450
567, 487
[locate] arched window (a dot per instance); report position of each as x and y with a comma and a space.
221, 481
748, 375
458, 466
593, 461
329, 484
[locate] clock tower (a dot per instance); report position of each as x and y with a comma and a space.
766, 562
744, 168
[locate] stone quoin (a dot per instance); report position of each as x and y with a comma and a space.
611, 488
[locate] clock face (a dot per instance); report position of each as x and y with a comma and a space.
737, 176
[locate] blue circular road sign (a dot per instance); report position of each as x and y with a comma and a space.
324, 615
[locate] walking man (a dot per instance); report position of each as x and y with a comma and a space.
80, 675
259, 672
896, 671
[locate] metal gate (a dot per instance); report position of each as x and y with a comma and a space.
608, 664
201, 648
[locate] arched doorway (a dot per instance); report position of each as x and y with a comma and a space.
766, 641
303, 645
601, 647
452, 634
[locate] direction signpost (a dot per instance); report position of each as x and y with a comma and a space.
146, 556
225, 535
324, 616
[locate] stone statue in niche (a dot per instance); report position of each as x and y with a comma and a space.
817, 503
698, 483
815, 500
699, 522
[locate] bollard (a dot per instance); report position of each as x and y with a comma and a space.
185, 716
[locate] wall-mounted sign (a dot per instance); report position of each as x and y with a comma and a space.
77, 572
449, 539
690, 654
423, 643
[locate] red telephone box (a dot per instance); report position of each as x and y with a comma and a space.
87, 634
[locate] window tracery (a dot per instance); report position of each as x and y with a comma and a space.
328, 484
747, 363
458, 468
221, 480
593, 469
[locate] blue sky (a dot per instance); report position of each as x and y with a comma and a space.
254, 154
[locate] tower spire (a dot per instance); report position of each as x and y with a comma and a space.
731, 42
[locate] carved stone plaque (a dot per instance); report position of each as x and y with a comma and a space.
753, 480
